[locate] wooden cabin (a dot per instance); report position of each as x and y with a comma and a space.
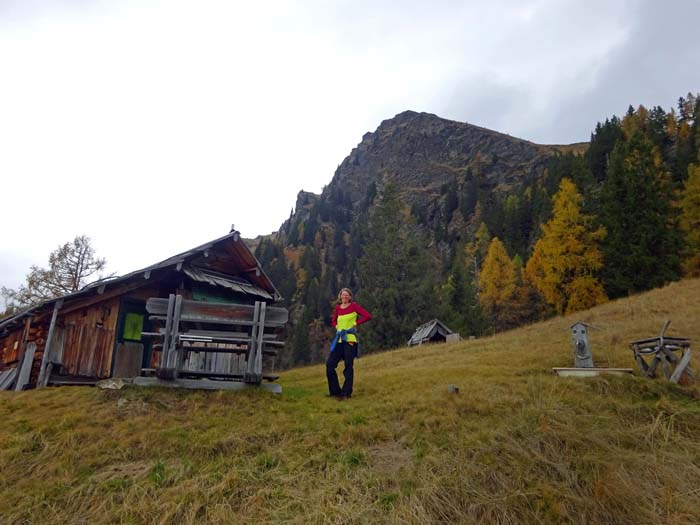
434, 331
88, 332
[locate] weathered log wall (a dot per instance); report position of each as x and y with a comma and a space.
89, 339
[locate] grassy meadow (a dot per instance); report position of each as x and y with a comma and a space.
515, 445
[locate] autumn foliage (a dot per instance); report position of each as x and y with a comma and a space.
566, 258
497, 282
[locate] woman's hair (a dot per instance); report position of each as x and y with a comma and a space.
345, 290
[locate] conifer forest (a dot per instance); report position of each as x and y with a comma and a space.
428, 218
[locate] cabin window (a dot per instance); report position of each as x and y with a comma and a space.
133, 326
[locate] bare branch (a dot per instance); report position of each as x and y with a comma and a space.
70, 267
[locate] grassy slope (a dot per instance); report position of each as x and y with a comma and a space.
516, 445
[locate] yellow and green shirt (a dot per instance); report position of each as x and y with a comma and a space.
350, 317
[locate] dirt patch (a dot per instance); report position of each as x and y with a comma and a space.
389, 457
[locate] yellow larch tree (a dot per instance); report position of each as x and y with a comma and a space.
567, 257
497, 283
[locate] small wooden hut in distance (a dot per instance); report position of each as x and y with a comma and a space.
434, 331
89, 333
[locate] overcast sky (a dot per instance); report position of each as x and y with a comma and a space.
152, 126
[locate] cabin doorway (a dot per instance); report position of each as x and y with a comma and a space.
132, 352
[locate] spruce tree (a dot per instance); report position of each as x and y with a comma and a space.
299, 349
641, 250
461, 310
469, 195
690, 221
603, 141
395, 275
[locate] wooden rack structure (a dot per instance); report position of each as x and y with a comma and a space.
194, 328
661, 352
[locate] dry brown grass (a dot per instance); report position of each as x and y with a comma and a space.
516, 445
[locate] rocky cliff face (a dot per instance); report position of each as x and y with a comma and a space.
422, 154
450, 177
420, 151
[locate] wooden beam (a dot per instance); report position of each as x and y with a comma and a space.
239, 351
7, 378
174, 355
23, 342
255, 270
25, 367
590, 372
221, 313
249, 376
678, 372
643, 366
168, 327
651, 370
205, 384
99, 298
45, 370
259, 343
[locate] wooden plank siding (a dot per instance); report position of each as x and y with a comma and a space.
89, 339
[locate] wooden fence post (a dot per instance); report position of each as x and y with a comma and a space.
250, 376
166, 337
45, 370
177, 353
260, 343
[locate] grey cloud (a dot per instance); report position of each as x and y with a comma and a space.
486, 102
655, 66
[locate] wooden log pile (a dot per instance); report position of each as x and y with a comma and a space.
37, 335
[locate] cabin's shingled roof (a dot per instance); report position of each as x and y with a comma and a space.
425, 331
258, 283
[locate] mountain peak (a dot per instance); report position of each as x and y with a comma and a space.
421, 152
411, 117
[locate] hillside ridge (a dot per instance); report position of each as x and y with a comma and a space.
516, 445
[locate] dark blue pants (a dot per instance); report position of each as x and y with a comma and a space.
343, 352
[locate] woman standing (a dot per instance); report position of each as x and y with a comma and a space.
347, 316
